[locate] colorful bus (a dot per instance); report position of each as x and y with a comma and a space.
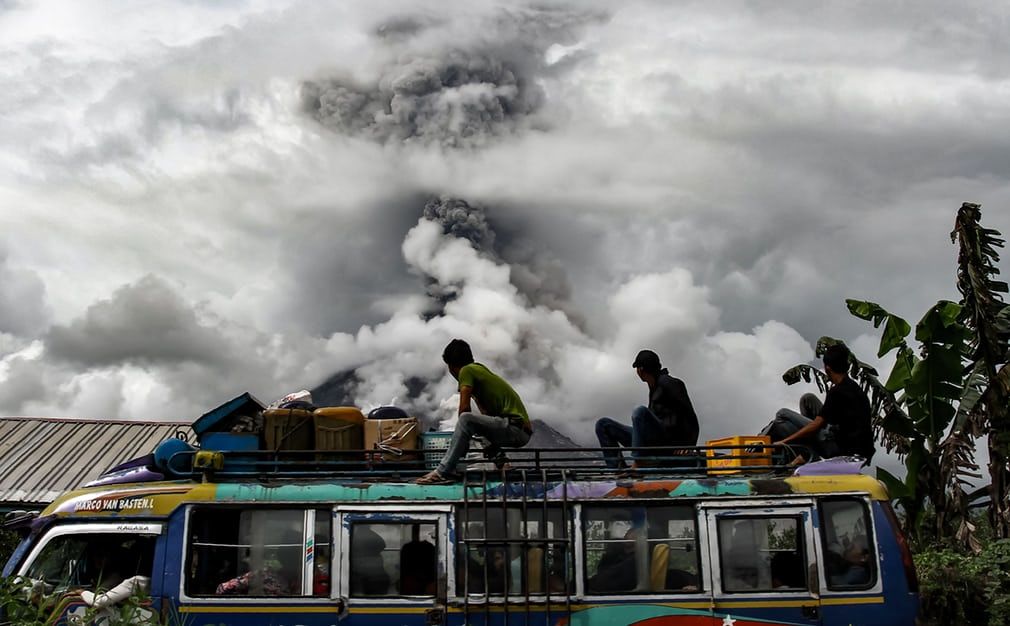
537, 545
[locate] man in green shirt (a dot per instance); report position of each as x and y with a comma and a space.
502, 420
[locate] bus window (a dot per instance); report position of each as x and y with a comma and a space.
641, 549
673, 549
245, 553
532, 566
762, 554
393, 559
323, 553
848, 554
93, 561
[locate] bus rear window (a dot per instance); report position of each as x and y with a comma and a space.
759, 554
848, 553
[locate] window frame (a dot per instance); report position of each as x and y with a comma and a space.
771, 508
871, 539
71, 528
802, 541
582, 570
346, 515
571, 518
308, 531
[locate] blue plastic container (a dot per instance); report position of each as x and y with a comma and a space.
232, 442
433, 445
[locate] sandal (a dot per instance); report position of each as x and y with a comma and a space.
434, 477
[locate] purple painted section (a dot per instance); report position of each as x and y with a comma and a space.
839, 465
131, 475
582, 490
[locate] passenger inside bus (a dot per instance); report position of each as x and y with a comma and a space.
787, 571
618, 569
370, 577
269, 580
852, 568
493, 566
323, 554
418, 564
674, 560
121, 567
740, 557
104, 568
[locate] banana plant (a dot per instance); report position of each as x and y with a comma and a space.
927, 383
984, 409
914, 408
942, 394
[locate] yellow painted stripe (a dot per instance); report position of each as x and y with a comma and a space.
259, 609
763, 604
673, 605
844, 601
498, 608
388, 610
513, 608
773, 604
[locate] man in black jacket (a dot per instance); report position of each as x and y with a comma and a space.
669, 420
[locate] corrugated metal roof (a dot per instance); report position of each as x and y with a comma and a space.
41, 457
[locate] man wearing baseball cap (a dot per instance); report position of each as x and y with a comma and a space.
669, 420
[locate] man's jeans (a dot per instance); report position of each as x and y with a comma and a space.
645, 430
497, 430
787, 422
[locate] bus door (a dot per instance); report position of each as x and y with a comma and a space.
763, 562
393, 564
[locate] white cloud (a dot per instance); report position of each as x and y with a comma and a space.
707, 180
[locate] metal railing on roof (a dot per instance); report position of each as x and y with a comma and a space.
578, 463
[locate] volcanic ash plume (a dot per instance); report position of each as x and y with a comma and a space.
458, 101
464, 95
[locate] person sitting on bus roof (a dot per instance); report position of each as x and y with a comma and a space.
503, 420
669, 420
841, 426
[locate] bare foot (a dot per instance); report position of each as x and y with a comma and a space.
799, 460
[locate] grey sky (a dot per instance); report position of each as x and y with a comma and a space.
200, 199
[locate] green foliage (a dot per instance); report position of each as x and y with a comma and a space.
24, 604
8, 541
958, 588
945, 391
927, 381
985, 399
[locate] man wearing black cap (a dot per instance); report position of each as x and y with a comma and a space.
669, 420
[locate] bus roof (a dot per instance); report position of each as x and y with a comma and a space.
160, 499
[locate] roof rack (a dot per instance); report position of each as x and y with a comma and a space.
583, 463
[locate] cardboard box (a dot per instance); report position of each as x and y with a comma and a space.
391, 435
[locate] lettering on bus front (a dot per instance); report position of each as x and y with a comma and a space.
114, 504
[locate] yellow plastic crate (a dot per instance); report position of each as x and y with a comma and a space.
743, 458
